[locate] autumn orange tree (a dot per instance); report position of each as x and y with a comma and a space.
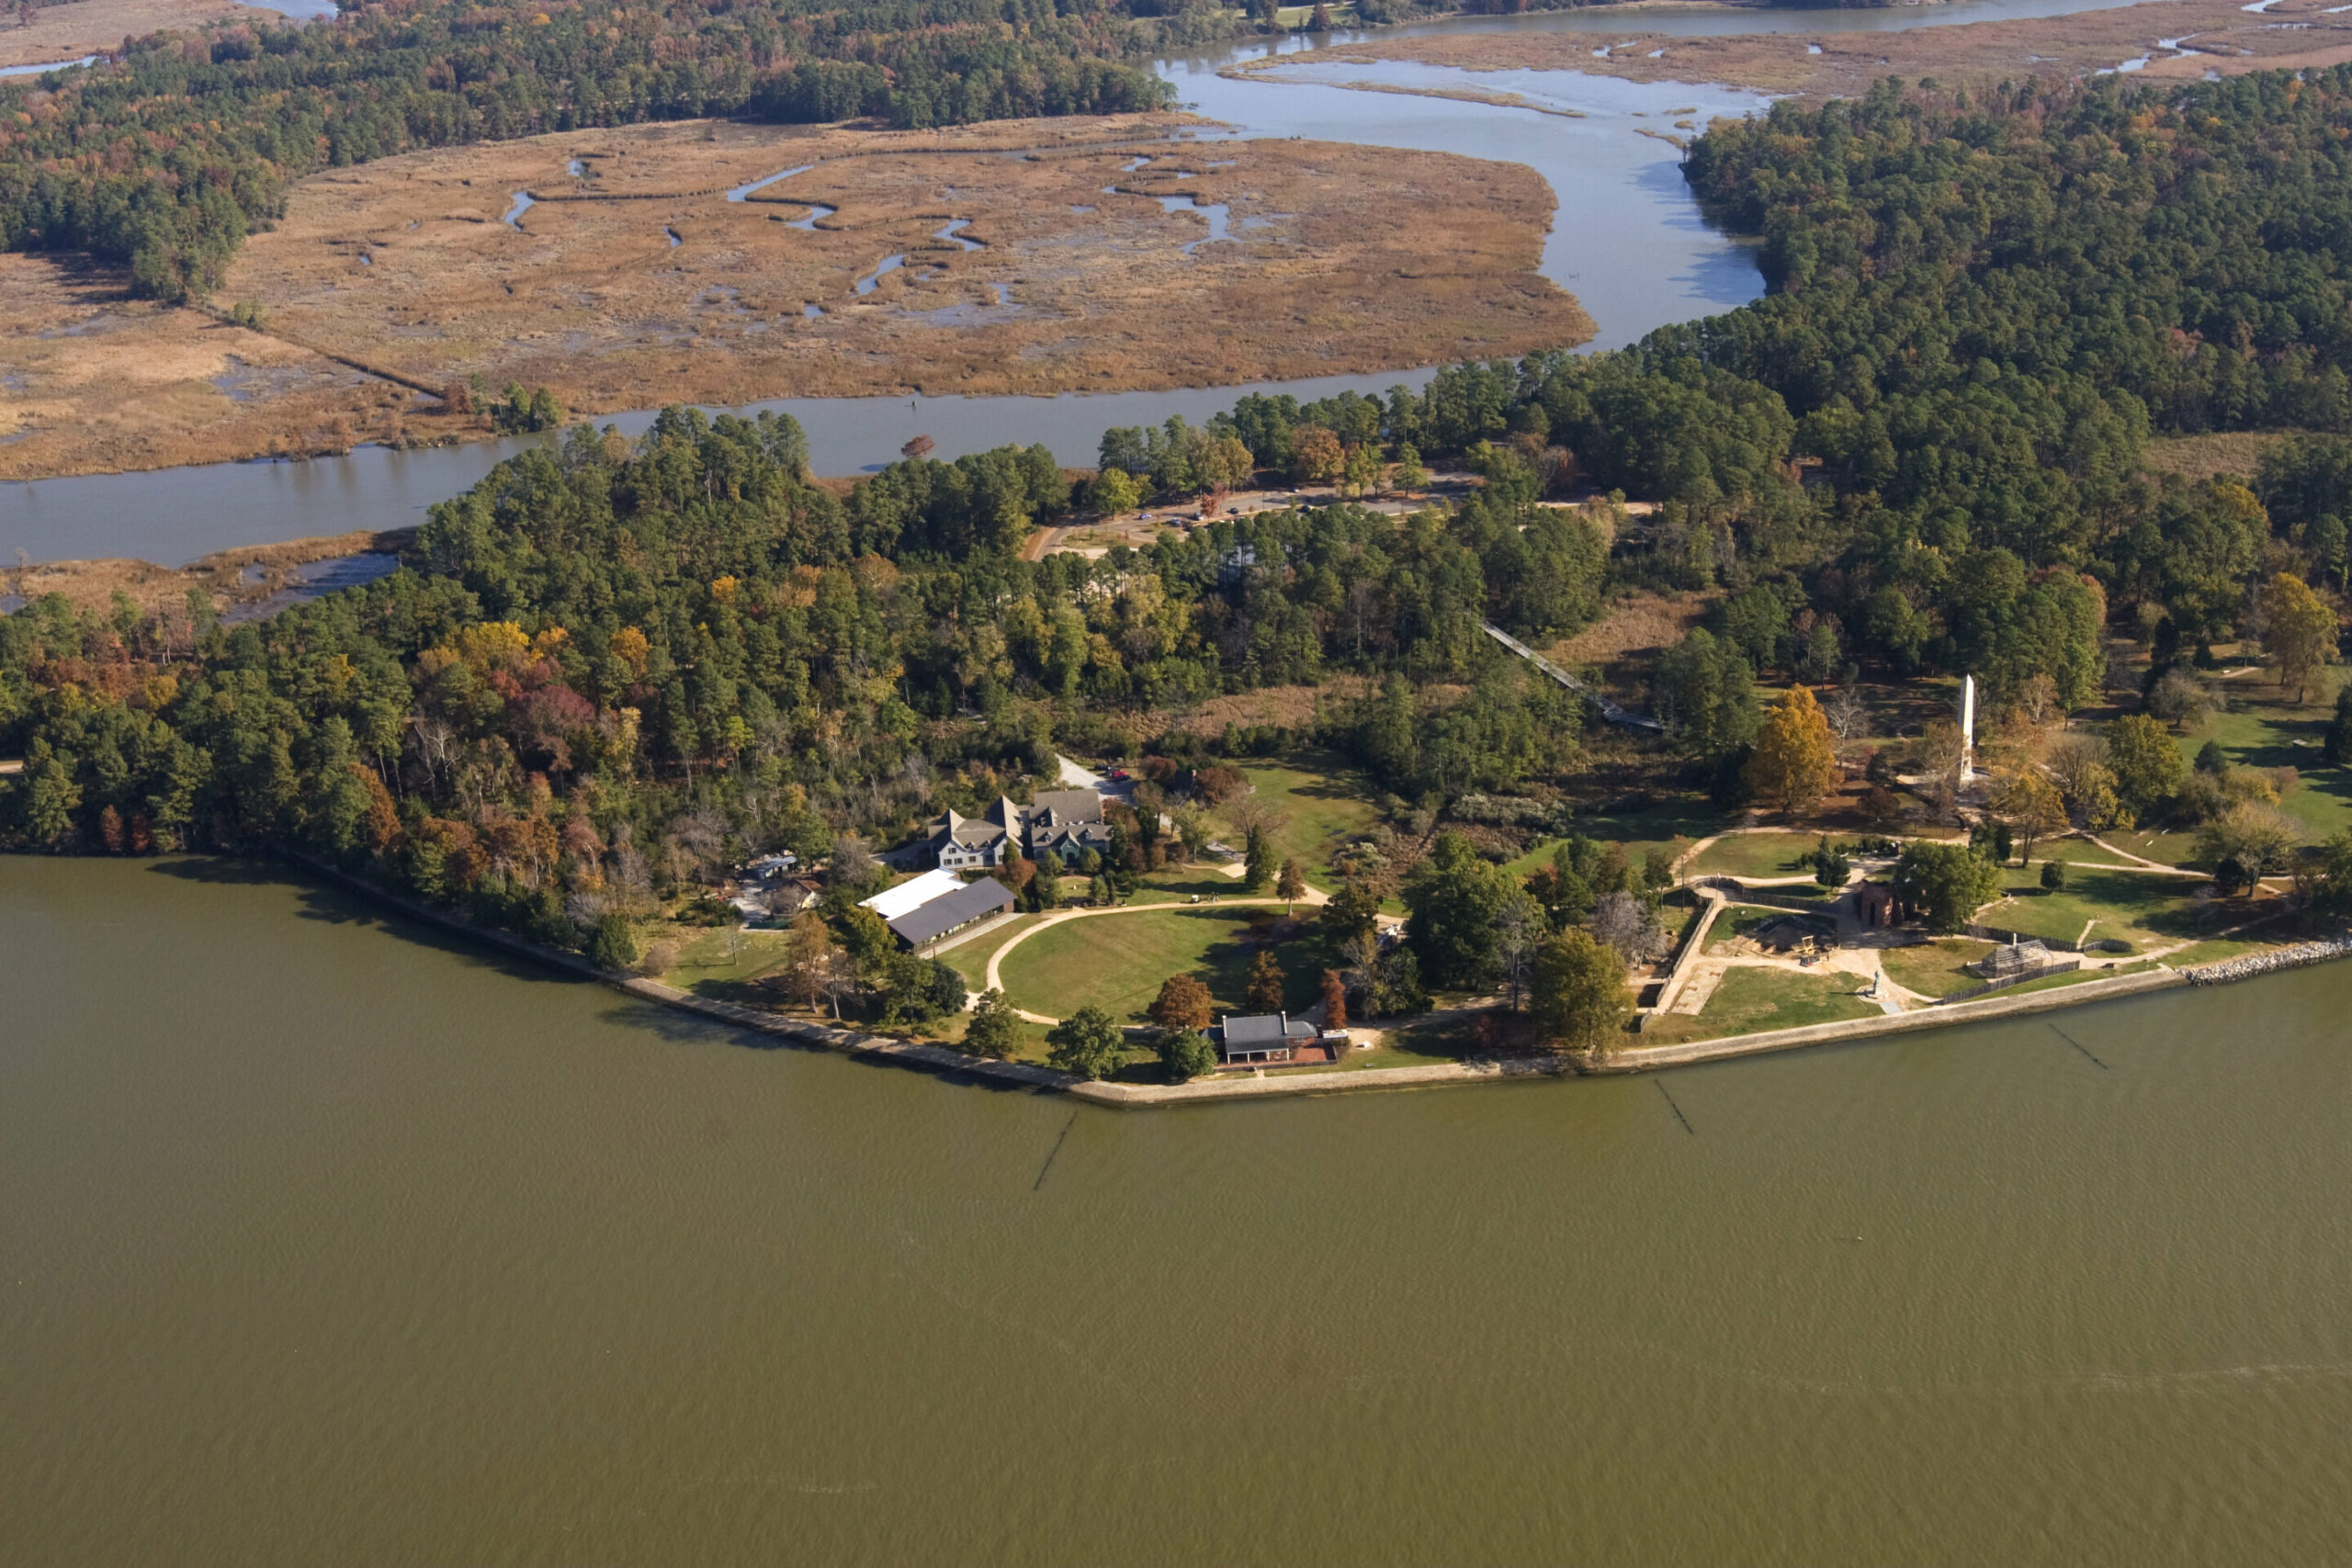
1792, 763
1182, 1003
1265, 993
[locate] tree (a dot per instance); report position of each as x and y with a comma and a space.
1848, 715
614, 944
811, 957
1258, 856
2258, 837
1794, 762
1316, 456
1945, 884
2323, 881
1182, 1003
1186, 1054
1087, 1045
2032, 805
2180, 698
2337, 748
1578, 993
1290, 886
1450, 900
1266, 978
1629, 923
2299, 631
1521, 928
994, 1029
1335, 1000
2053, 875
1705, 692
1410, 474
1831, 868
2148, 767
1113, 491
1349, 913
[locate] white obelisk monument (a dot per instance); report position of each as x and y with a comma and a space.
1967, 730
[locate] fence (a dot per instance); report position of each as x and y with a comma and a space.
2063, 966
2010, 939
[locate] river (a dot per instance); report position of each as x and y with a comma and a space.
329, 1238
1629, 243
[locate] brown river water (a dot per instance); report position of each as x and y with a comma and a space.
327, 1238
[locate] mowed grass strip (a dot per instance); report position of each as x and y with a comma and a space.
1116, 962
1751, 1000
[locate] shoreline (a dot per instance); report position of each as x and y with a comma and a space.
947, 1061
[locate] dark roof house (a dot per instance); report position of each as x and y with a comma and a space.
952, 911
1261, 1037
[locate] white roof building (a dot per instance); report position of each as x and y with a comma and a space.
908, 897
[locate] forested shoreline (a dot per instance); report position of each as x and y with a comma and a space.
614, 665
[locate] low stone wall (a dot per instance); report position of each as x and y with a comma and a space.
1646, 1057
831, 1037
945, 1059
1678, 973
1137, 1097
2254, 964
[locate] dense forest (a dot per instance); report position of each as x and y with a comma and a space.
613, 663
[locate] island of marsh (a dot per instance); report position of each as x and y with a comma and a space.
1018, 257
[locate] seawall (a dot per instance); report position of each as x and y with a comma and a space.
1135, 1096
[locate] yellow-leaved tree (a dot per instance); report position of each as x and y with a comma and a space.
1792, 763
2299, 631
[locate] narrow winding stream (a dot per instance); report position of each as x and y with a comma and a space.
1629, 243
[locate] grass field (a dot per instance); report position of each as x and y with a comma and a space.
1117, 961
710, 966
1756, 855
1673, 825
2144, 909
1935, 968
2266, 729
1750, 1000
1324, 803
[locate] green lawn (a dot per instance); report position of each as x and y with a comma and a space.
2215, 952
1117, 961
2143, 909
1756, 855
1750, 1001
709, 966
1324, 802
2266, 729
1401, 1047
1671, 824
1935, 968
971, 959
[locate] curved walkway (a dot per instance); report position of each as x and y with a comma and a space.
995, 977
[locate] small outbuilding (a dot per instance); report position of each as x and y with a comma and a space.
1260, 1039
1874, 906
2017, 958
